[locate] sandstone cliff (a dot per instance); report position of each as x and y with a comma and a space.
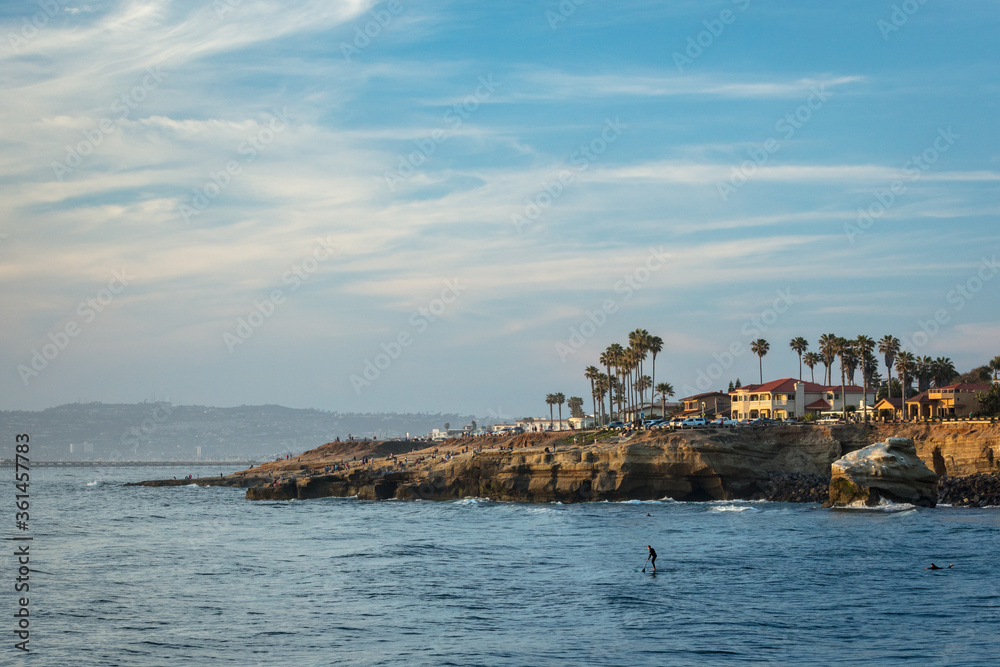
710, 464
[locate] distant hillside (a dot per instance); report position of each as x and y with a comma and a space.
165, 432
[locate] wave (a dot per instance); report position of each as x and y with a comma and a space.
96, 482
883, 506
472, 501
730, 508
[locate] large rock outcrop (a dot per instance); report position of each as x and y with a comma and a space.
886, 471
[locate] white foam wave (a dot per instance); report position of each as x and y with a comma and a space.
471, 501
883, 506
95, 483
729, 508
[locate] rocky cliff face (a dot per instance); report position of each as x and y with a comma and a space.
951, 449
779, 463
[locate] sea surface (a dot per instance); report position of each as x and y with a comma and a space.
199, 576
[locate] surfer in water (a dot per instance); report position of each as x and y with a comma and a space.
938, 567
652, 556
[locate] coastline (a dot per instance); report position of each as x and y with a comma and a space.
785, 463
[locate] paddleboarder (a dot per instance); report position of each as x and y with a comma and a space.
652, 556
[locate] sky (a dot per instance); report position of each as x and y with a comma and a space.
456, 206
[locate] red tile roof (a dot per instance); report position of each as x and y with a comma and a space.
818, 405
707, 393
787, 386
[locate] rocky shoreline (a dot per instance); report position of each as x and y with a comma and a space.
787, 464
980, 490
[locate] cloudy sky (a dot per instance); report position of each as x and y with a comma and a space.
455, 206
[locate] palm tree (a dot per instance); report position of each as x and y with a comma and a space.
607, 360
602, 390
665, 390
800, 345
827, 349
575, 405
864, 345
944, 372
905, 364
760, 348
634, 356
888, 347
550, 400
642, 384
616, 357
843, 348
994, 366
560, 399
811, 359
639, 339
655, 345
591, 373
924, 371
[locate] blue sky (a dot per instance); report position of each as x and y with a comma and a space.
248, 202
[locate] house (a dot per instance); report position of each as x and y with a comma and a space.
790, 398
889, 408
955, 400
711, 404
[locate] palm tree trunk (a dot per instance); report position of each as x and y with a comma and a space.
843, 390
864, 386
652, 387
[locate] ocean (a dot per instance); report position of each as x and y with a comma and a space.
198, 575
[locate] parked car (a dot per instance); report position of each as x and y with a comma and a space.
694, 422
764, 421
616, 425
650, 423
675, 422
724, 422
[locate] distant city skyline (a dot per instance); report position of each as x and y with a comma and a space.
379, 207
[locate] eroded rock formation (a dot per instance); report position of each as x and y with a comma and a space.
885, 471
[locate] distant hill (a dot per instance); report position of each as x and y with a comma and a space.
165, 432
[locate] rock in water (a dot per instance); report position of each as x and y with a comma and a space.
887, 470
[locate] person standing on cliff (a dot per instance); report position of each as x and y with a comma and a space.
652, 556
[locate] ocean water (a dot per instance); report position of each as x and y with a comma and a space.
196, 575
